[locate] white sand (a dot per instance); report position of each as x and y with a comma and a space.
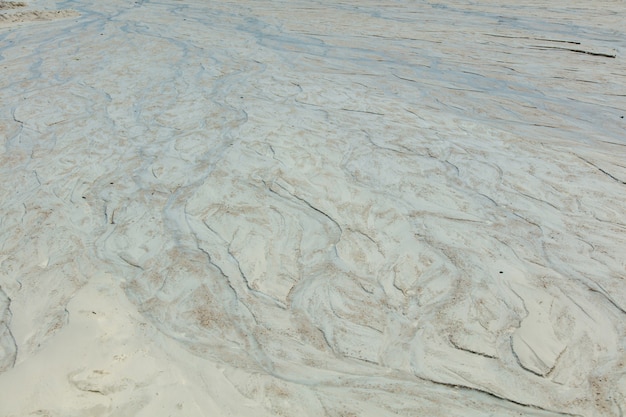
299, 208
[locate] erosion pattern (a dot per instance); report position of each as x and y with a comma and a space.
399, 208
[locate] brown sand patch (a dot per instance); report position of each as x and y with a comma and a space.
9, 19
11, 4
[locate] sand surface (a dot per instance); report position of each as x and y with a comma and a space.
14, 13
297, 208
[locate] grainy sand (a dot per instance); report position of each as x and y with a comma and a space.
364, 208
12, 13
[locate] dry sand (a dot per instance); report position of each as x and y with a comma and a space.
260, 208
13, 13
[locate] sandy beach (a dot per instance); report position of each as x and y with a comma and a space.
295, 208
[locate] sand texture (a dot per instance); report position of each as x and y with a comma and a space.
297, 208
12, 13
